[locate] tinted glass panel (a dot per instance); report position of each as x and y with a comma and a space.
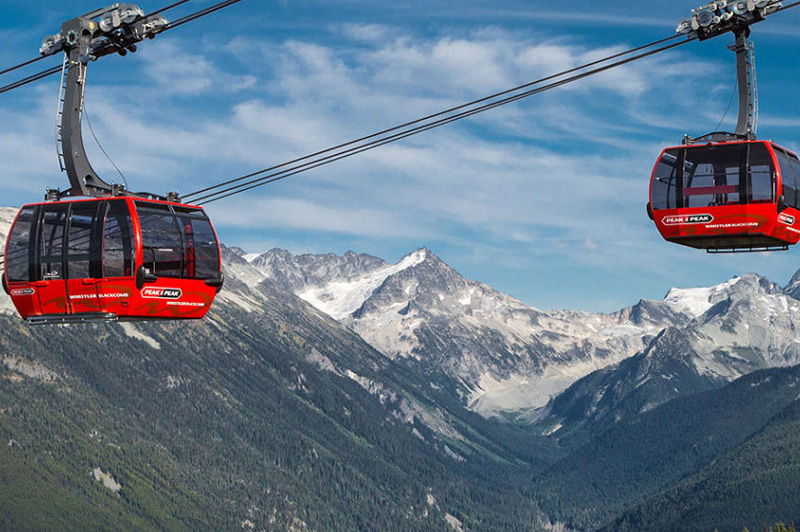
18, 249
711, 175
80, 241
118, 253
788, 178
161, 240
201, 252
665, 181
762, 174
795, 165
54, 224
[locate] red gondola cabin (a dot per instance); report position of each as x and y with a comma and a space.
120, 258
727, 196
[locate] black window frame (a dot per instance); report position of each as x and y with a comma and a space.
744, 178
66, 207
95, 241
29, 253
176, 219
127, 233
792, 164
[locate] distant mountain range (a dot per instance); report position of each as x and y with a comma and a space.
501, 358
329, 392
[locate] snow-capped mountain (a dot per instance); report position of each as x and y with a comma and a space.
793, 286
495, 353
501, 357
740, 326
443, 344
300, 272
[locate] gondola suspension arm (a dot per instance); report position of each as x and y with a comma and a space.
747, 125
735, 16
115, 29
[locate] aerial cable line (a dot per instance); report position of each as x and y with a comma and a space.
26, 63
51, 71
787, 6
432, 116
316, 163
198, 14
99, 145
167, 8
30, 79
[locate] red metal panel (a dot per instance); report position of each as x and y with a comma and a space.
174, 299
52, 296
25, 299
116, 295
83, 295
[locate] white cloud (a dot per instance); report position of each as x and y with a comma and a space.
178, 71
308, 215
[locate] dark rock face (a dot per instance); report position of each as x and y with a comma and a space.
298, 272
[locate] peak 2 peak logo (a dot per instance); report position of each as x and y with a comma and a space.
682, 219
162, 293
23, 292
786, 219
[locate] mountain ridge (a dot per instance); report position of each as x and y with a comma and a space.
504, 359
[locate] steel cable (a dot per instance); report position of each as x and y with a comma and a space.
249, 185
30, 79
167, 8
198, 14
26, 63
429, 117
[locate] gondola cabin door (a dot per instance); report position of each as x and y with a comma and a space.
50, 280
81, 252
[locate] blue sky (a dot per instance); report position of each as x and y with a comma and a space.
543, 199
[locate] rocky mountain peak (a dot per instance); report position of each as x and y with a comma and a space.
302, 272
697, 301
7, 215
792, 288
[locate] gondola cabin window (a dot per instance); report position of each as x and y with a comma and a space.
80, 240
789, 177
665, 181
19, 242
54, 225
118, 251
161, 240
178, 242
201, 252
711, 176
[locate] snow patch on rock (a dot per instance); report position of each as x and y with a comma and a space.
697, 301
340, 299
